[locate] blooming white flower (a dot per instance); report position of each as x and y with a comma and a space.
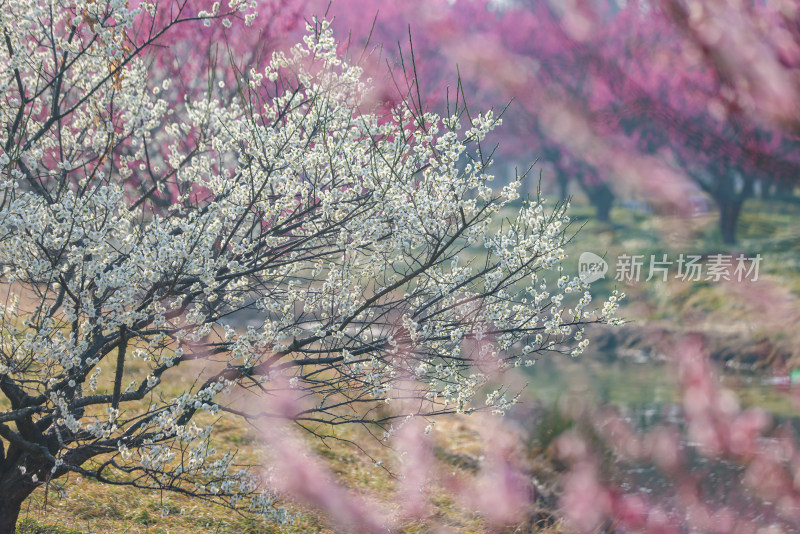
341, 234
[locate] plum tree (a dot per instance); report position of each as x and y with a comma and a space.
135, 226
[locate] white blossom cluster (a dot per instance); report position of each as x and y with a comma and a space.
367, 245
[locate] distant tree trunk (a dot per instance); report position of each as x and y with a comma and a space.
563, 186
783, 190
731, 192
772, 190
600, 195
766, 190
602, 198
729, 219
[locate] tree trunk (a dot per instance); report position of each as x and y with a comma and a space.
730, 193
766, 190
602, 199
728, 219
563, 187
14, 489
783, 191
10, 506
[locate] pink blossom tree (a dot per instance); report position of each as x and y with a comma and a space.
613, 98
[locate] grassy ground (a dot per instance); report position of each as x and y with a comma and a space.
84, 506
74, 505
